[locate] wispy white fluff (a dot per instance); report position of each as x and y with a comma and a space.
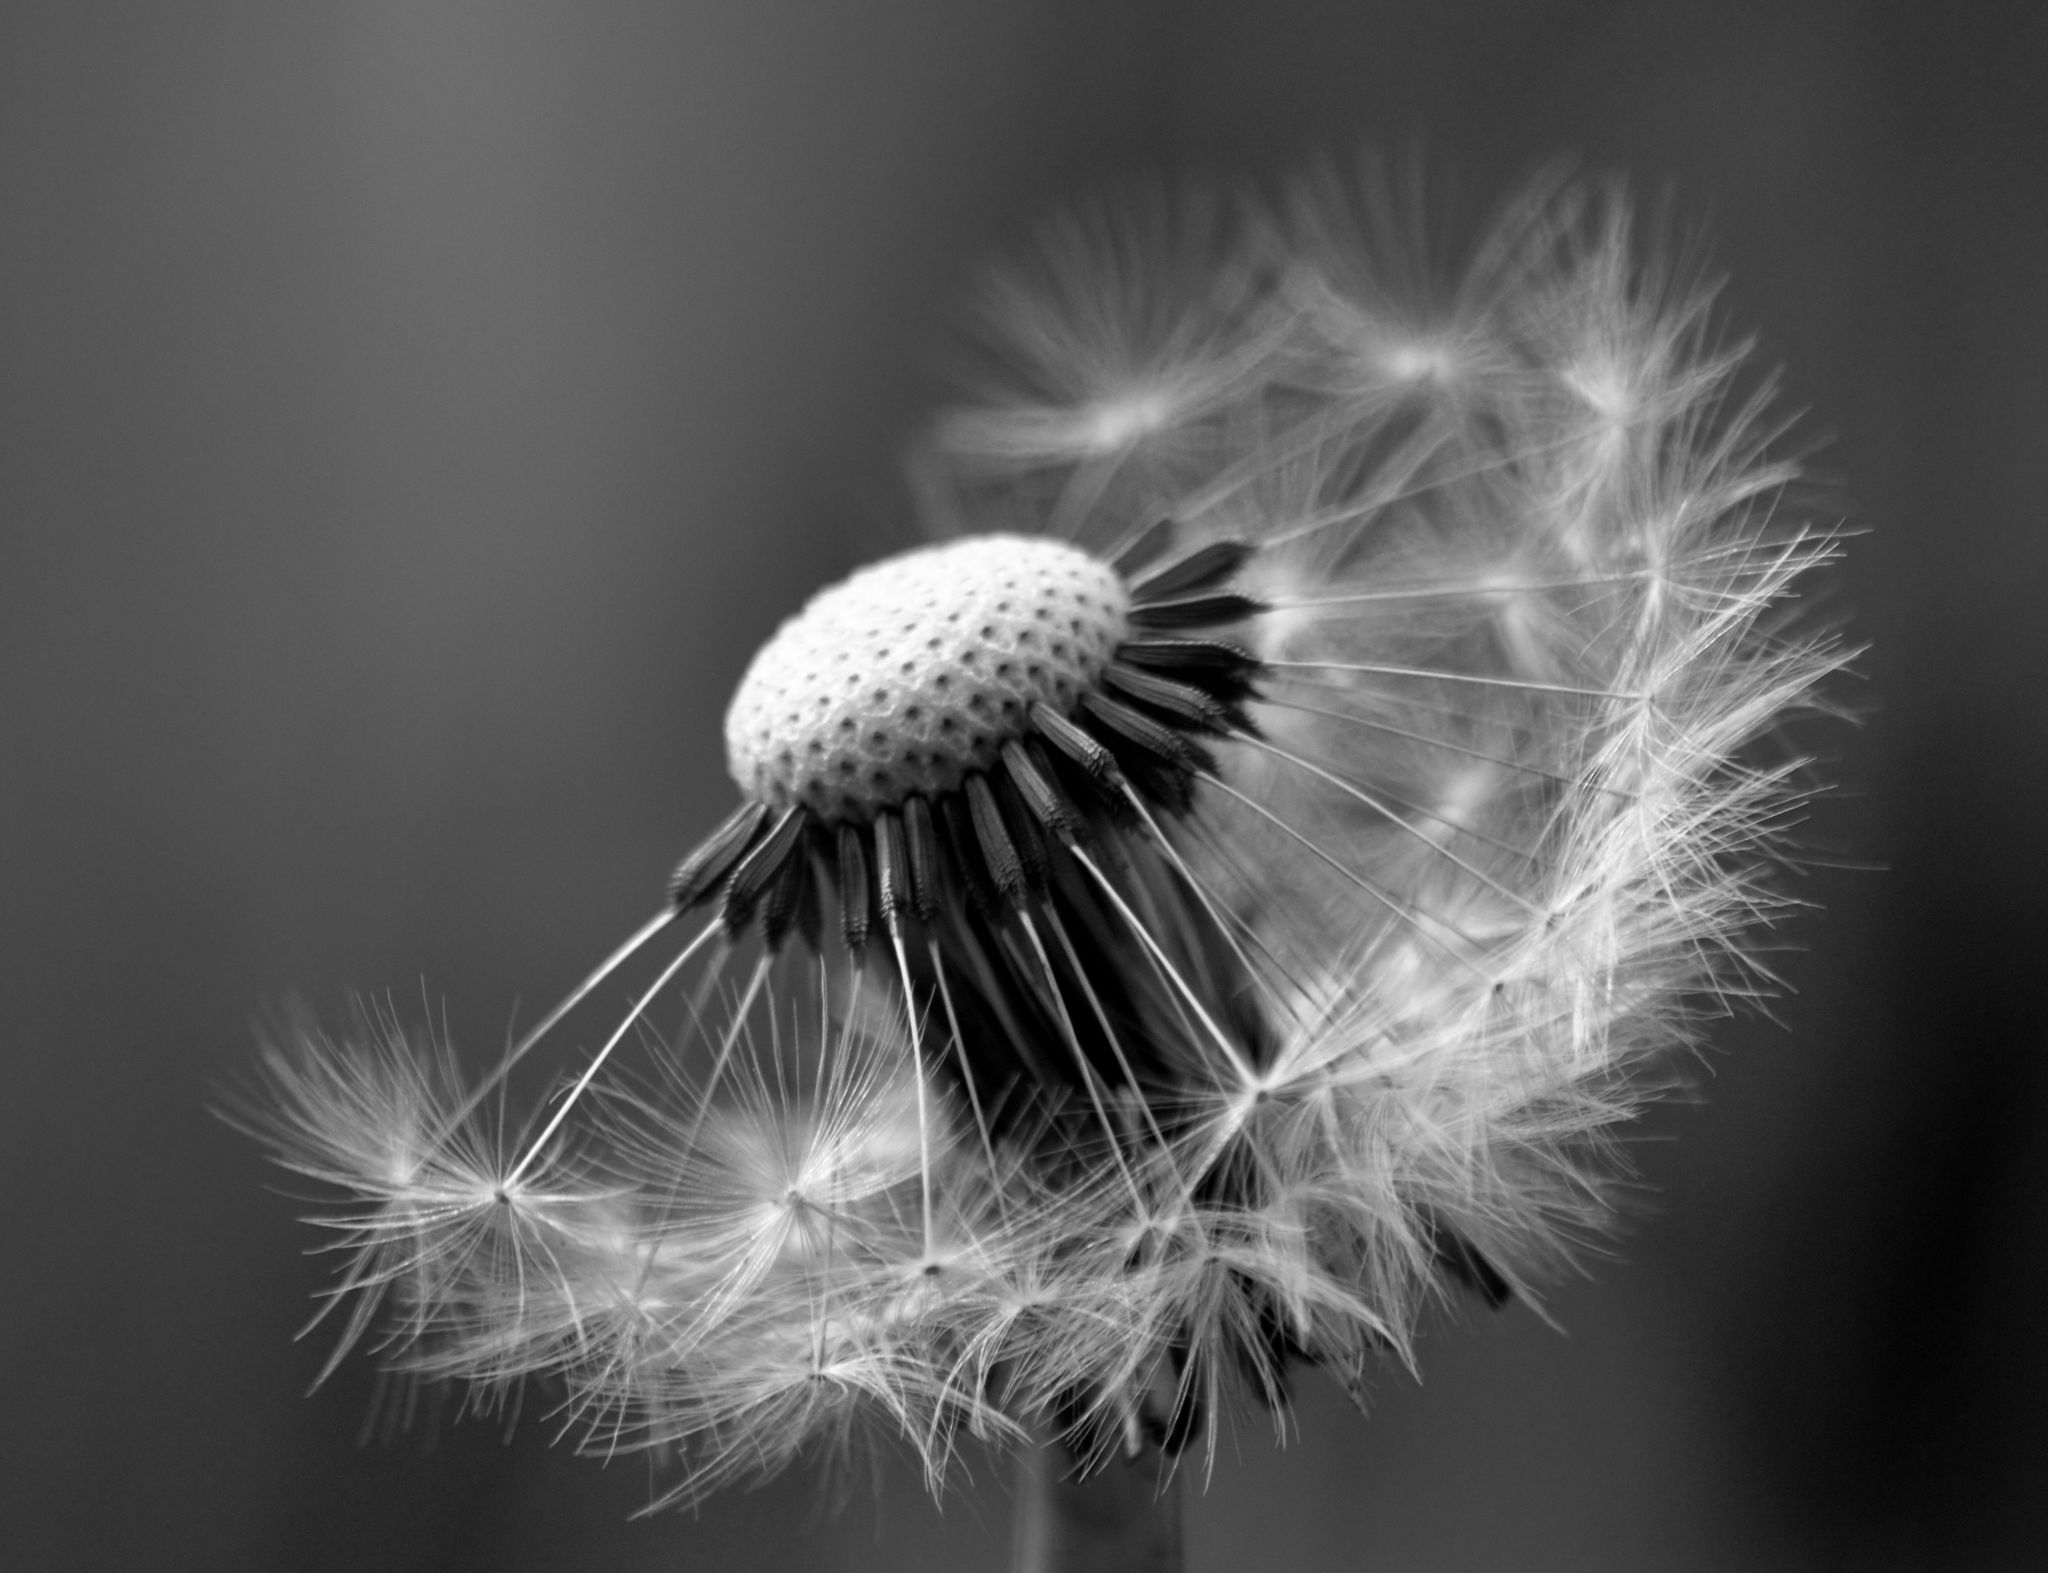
1492, 845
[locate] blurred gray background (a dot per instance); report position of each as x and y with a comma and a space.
415, 413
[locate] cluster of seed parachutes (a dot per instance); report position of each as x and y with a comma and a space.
1212, 898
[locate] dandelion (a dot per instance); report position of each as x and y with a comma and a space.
1218, 894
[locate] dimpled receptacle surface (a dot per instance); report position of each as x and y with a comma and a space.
912, 674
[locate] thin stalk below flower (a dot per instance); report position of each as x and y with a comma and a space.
1124, 1517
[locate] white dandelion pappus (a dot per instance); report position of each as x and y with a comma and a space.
1219, 893
437, 1208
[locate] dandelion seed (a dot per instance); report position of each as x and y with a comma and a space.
1212, 902
439, 1221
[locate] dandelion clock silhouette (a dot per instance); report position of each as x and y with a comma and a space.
1220, 886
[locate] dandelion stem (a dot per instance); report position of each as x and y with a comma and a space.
1124, 1517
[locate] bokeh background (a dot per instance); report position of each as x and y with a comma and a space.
416, 411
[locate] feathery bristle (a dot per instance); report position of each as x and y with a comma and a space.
1229, 897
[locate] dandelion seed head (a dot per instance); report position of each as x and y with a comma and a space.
915, 671
1223, 901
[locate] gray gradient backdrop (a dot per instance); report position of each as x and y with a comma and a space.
414, 414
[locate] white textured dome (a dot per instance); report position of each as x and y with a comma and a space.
911, 674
